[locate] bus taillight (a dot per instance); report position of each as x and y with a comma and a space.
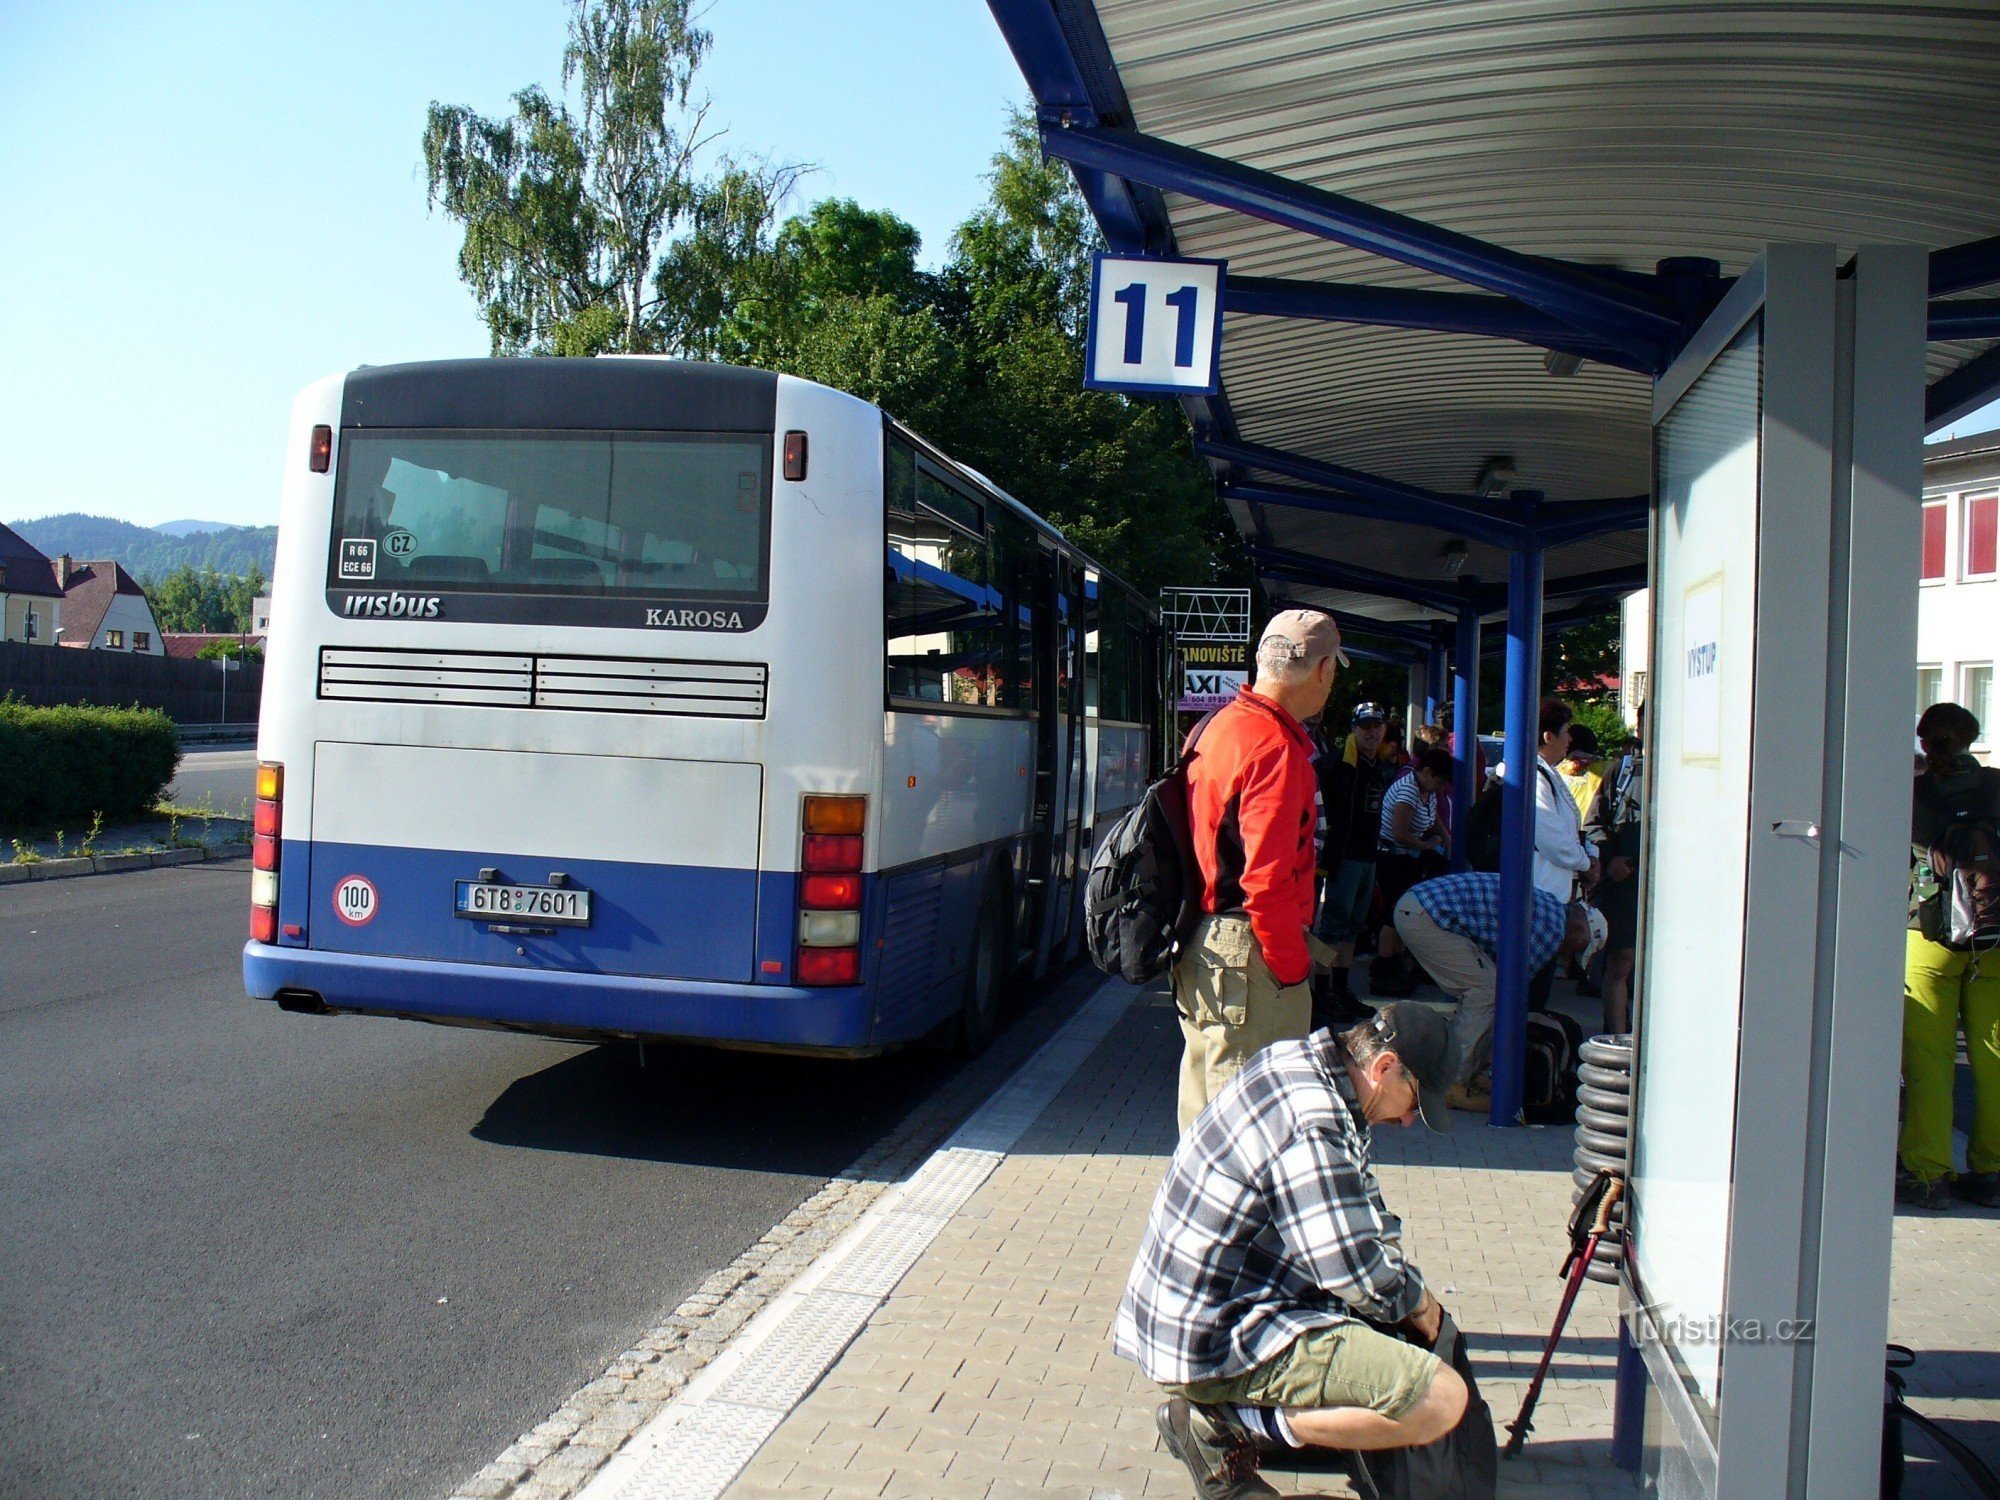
830, 859
267, 826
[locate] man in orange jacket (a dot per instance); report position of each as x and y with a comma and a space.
1241, 983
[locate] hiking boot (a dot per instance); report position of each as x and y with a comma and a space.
1468, 1096
1914, 1191
1982, 1188
1221, 1458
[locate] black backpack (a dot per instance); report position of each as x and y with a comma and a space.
1966, 861
1464, 1464
1142, 899
1548, 1080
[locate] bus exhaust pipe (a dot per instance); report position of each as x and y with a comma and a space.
302, 1003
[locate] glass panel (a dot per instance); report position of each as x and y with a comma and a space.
1975, 695
943, 618
1981, 511
1933, 541
1930, 687
569, 513
1698, 770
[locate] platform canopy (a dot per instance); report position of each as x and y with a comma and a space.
1463, 235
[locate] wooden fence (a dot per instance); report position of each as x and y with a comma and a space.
191, 692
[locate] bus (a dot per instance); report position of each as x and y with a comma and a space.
637, 698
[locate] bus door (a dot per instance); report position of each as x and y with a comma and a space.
1066, 928
1051, 762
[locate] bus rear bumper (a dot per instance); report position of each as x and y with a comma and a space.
757, 1015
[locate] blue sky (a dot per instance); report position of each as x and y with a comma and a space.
205, 214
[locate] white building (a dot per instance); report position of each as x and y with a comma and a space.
1958, 609
1958, 604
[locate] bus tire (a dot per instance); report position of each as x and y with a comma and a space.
985, 975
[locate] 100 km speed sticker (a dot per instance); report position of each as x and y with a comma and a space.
355, 900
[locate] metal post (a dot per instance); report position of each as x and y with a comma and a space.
1414, 681
1628, 1403
1517, 830
1464, 728
1433, 682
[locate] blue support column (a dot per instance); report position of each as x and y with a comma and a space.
1628, 1404
1464, 727
1517, 831
1433, 683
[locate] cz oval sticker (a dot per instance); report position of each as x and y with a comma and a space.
355, 900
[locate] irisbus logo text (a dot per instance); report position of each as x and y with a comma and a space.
392, 606
695, 619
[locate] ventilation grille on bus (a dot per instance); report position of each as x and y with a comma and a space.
498, 679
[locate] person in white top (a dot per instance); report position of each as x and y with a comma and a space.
1561, 854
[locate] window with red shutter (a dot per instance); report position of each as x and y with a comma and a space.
1933, 542
1981, 514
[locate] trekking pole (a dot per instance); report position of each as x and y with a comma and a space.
1597, 1205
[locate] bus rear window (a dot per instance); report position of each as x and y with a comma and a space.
671, 516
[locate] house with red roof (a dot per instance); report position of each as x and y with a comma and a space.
105, 609
30, 598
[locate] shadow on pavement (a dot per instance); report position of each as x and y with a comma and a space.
750, 1111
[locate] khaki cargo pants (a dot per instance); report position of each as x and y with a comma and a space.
1231, 1007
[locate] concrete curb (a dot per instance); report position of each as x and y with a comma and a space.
116, 864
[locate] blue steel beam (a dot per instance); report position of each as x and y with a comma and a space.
1963, 391
1967, 318
1517, 834
1960, 268
1575, 523
1400, 307
1464, 728
1605, 581
1354, 578
1395, 501
1413, 513
1603, 308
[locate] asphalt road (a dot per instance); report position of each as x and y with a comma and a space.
225, 775
247, 1253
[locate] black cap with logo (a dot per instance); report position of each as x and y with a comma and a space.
1419, 1036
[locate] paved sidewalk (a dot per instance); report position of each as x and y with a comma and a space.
990, 1372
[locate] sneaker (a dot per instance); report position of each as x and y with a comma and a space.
1463, 1096
1221, 1459
1914, 1191
1982, 1188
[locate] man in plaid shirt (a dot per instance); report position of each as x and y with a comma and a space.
1267, 1246
1452, 925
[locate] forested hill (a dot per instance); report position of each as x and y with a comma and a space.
151, 554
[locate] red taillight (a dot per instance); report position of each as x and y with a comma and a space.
830, 892
831, 853
795, 456
828, 966
320, 454
267, 827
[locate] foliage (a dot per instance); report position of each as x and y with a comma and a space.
210, 602
1601, 716
77, 764
227, 650
148, 552
1581, 658
571, 214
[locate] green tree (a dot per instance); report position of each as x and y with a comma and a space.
223, 650
206, 602
570, 213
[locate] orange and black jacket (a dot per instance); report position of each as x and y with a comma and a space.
1251, 808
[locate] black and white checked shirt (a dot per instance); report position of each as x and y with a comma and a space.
1269, 1224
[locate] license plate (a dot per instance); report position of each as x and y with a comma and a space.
540, 905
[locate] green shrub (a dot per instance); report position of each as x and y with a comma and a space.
1602, 715
59, 766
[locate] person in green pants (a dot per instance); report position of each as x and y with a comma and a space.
1944, 988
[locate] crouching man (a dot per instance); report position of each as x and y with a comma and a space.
1268, 1244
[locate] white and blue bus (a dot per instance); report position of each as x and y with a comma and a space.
627, 697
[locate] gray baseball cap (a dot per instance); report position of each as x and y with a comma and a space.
1419, 1036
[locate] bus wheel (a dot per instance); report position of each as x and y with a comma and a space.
985, 977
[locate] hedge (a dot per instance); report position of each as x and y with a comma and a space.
60, 766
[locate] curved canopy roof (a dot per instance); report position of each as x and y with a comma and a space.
1524, 168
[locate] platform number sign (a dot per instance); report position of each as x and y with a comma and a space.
1155, 325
